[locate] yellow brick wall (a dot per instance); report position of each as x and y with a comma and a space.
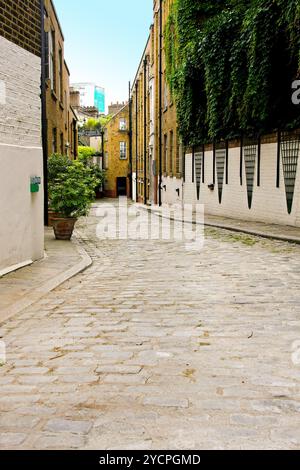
60, 115
171, 163
115, 167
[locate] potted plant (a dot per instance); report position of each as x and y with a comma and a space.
71, 195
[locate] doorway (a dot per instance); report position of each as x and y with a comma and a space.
121, 187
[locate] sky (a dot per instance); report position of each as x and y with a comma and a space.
104, 41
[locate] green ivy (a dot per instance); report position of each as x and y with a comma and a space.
230, 65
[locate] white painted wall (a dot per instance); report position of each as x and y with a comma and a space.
21, 212
169, 194
96, 142
134, 187
269, 202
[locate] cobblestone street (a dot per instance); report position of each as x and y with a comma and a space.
157, 347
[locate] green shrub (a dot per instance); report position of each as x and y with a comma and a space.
85, 156
85, 152
57, 165
72, 193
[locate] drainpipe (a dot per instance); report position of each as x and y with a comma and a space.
130, 143
44, 112
136, 138
102, 145
145, 131
75, 138
160, 101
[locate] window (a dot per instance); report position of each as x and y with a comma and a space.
123, 152
171, 151
52, 59
123, 125
46, 38
54, 140
66, 108
60, 74
151, 103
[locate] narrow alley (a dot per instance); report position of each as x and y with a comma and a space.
157, 347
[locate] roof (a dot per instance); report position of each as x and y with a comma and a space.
116, 115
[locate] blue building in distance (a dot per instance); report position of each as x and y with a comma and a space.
91, 95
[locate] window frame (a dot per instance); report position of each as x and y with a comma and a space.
52, 59
123, 151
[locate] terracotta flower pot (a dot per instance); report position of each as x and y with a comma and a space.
63, 227
51, 215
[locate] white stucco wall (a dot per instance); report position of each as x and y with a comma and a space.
134, 187
21, 212
269, 202
170, 195
95, 142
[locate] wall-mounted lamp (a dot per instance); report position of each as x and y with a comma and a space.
211, 187
178, 192
165, 187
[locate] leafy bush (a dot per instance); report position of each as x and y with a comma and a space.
86, 152
57, 165
97, 124
85, 156
230, 65
73, 191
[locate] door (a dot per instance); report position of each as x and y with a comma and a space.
121, 187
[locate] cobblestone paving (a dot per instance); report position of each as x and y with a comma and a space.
158, 347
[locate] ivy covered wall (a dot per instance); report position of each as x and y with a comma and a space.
230, 65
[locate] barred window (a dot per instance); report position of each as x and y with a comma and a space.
123, 152
60, 75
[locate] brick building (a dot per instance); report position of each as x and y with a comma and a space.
250, 179
157, 154
114, 108
21, 155
116, 155
62, 134
142, 106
